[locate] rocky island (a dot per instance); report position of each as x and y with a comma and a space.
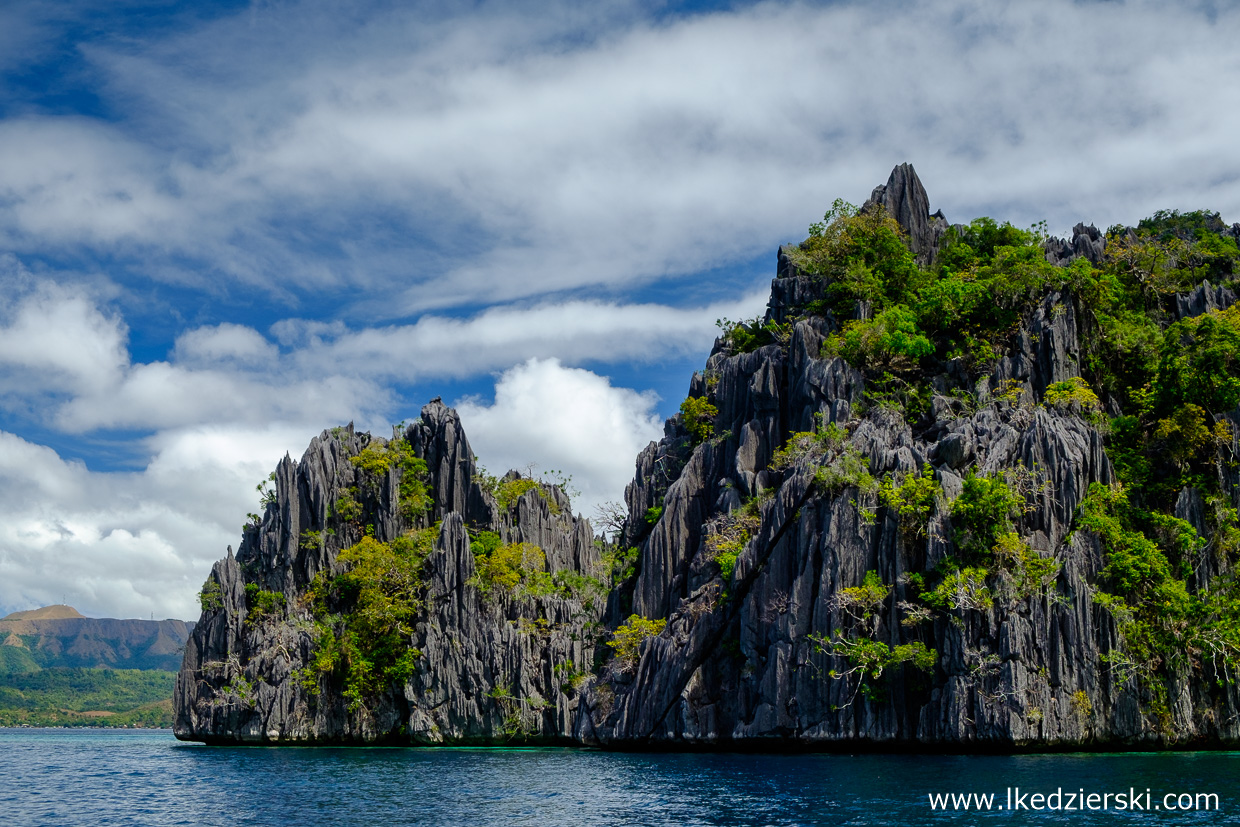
963, 487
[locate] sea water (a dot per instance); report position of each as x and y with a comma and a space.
146, 777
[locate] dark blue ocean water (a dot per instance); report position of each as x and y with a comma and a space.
110, 777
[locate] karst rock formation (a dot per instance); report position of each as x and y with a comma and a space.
799, 567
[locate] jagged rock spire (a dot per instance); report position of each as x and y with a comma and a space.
905, 200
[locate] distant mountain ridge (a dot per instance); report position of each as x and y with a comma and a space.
60, 636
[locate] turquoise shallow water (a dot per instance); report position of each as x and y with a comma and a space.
128, 777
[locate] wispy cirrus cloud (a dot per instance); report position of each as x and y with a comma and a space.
496, 155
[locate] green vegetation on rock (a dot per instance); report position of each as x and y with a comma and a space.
628, 638
1172, 380
698, 417
509, 489
364, 616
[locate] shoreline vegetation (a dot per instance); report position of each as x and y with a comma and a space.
78, 697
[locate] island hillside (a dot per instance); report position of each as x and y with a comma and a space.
962, 487
59, 668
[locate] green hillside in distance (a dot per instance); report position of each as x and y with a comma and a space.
87, 697
60, 668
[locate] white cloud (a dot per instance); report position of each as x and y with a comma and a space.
508, 155
574, 331
565, 419
229, 404
73, 180
62, 340
158, 395
227, 343
130, 543
126, 544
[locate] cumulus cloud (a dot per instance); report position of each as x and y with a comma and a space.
127, 544
231, 373
59, 338
228, 402
564, 419
225, 343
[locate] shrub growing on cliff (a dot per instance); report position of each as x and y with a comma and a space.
1187, 436
211, 597
266, 492
508, 565
1071, 393
863, 603
748, 336
862, 256
984, 510
375, 461
415, 497
891, 341
726, 537
620, 564
261, 603
868, 658
1199, 363
809, 445
1022, 571
1136, 566
365, 615
849, 469
346, 508
698, 417
985, 276
507, 491
1164, 628
912, 501
961, 590
628, 638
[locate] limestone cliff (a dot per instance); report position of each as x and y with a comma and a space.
962, 487
789, 644
493, 662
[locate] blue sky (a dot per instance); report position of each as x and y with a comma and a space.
227, 226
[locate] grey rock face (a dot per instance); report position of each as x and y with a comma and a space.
1204, 298
747, 660
495, 666
1086, 241
743, 557
906, 201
